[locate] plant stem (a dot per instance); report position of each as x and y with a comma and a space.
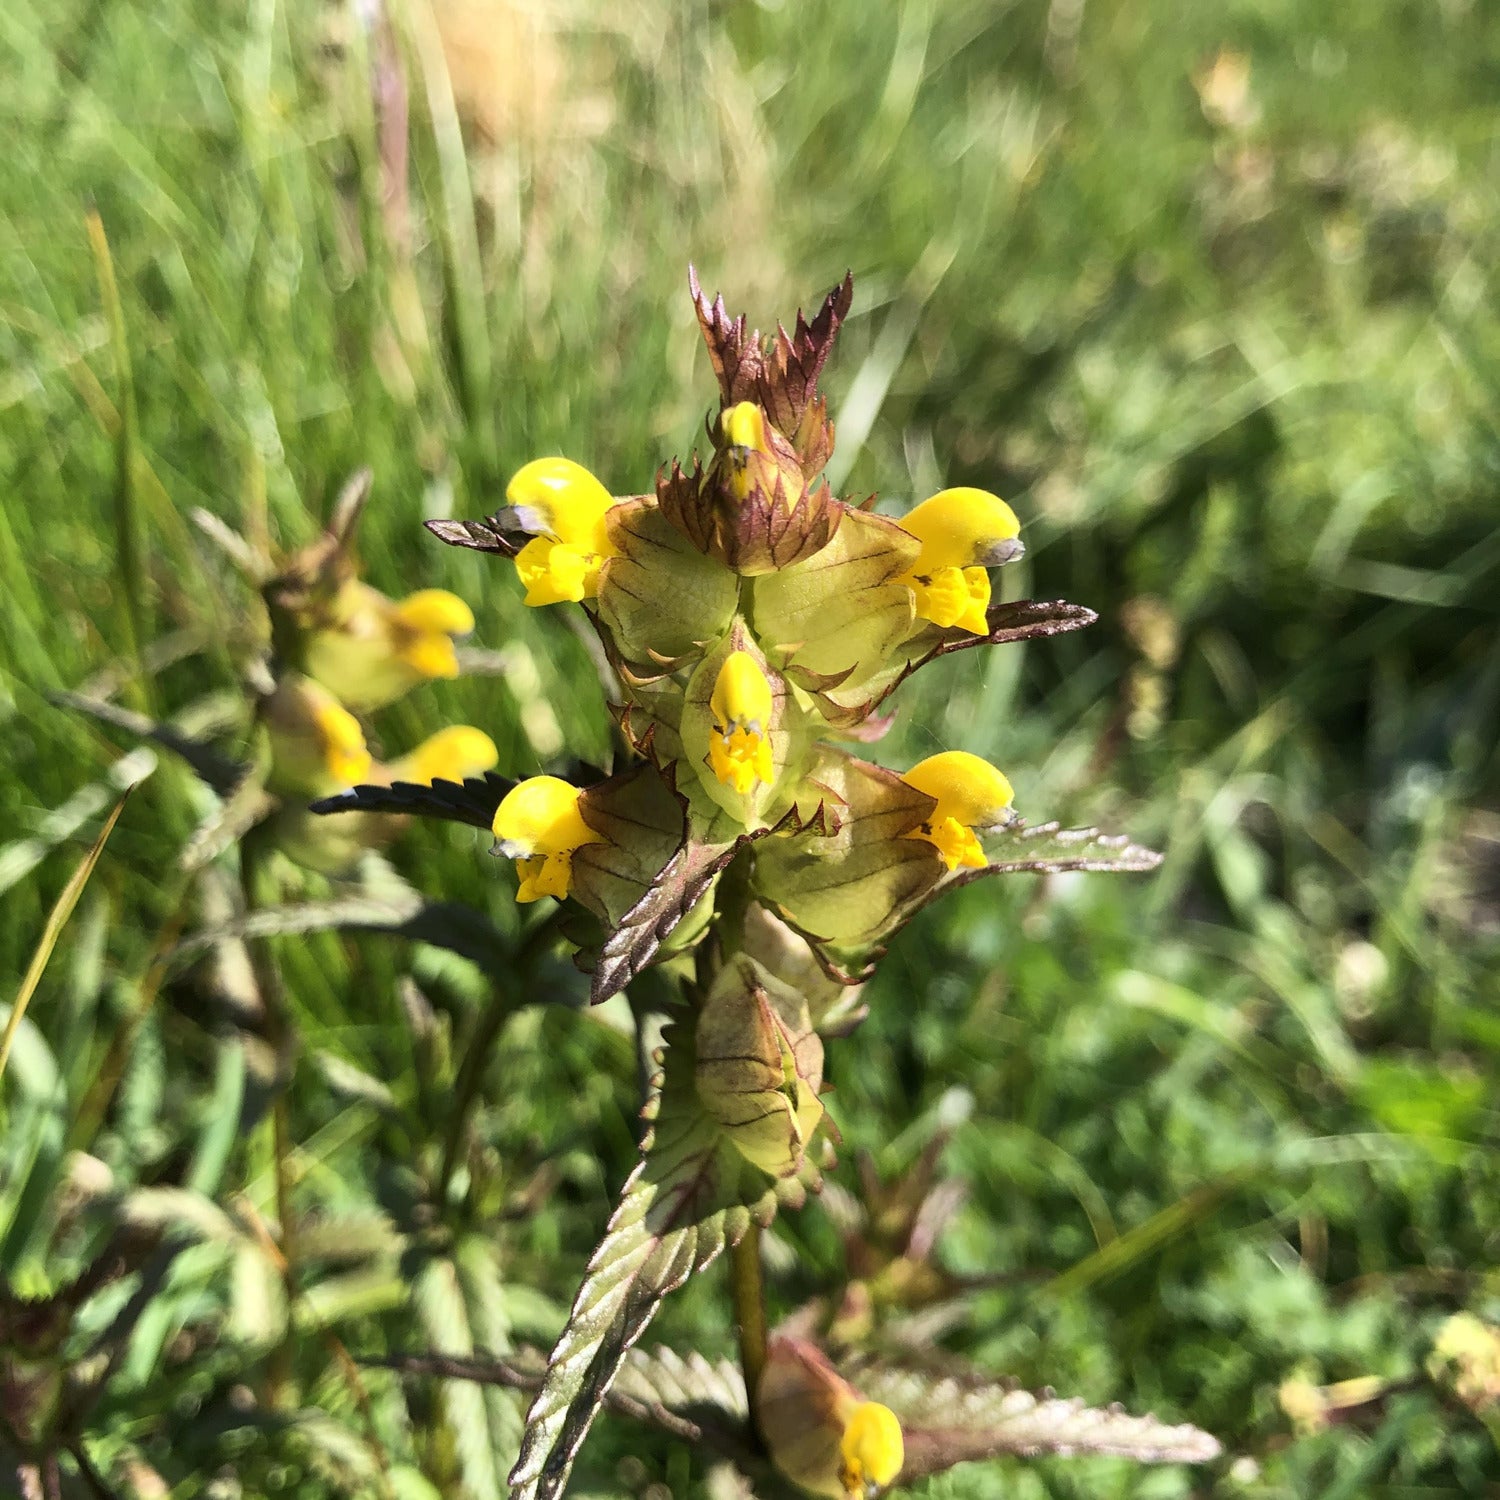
280, 1036
748, 1291
510, 992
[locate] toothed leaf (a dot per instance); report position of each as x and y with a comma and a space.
954, 1419
220, 771
1049, 849
492, 534
677, 888
473, 801
692, 1195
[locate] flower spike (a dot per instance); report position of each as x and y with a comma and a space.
970, 793
963, 532
565, 506
739, 744
539, 826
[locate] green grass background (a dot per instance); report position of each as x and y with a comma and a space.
1236, 365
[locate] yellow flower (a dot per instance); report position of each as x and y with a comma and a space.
539, 826
373, 648
970, 793
871, 1450
335, 844
565, 506
744, 424
739, 744
425, 625
822, 1434
452, 754
963, 532
317, 746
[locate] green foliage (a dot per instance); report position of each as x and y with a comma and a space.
1229, 351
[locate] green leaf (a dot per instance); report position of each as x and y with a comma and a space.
444, 1315
949, 1419
684, 1385
57, 919
218, 770
661, 598
834, 621
846, 890
691, 1196
1050, 849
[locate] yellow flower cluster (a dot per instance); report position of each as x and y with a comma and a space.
575, 555
343, 649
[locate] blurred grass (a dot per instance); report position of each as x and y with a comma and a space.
1228, 341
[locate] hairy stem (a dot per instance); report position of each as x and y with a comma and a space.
748, 1290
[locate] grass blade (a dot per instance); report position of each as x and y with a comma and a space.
62, 909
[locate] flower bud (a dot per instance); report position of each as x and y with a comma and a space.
538, 825
317, 746
822, 1434
752, 509
760, 1066
962, 532
369, 649
970, 793
564, 506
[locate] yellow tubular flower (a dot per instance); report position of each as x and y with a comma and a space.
962, 532
739, 745
449, 755
342, 743
970, 793
539, 826
425, 624
566, 506
871, 1450
317, 746
745, 426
